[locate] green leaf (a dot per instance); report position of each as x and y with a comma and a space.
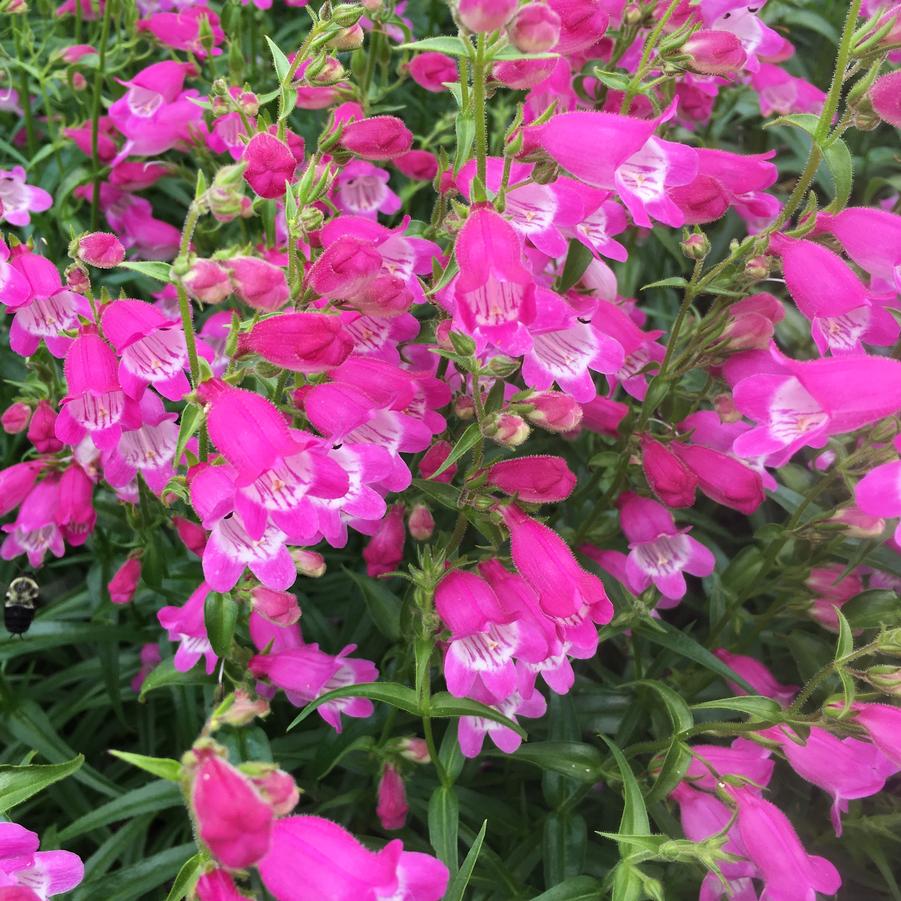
449, 753
685, 646
841, 165
149, 798
444, 825
805, 121
166, 674
634, 820
510, 52
672, 770
442, 44
186, 879
440, 492
679, 714
220, 616
578, 888
191, 417
155, 270
460, 880
392, 693
872, 609
755, 706
19, 783
467, 441
383, 605
675, 282
578, 256
138, 880
444, 704
163, 767
281, 62
568, 758
465, 130
845, 643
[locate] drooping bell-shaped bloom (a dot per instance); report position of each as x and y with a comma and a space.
757, 675
545, 561
218, 885
377, 138
270, 164
16, 483
194, 29
233, 819
185, 625
392, 805
151, 346
304, 672
19, 199
742, 758
485, 637
305, 342
641, 348
125, 580
494, 294
260, 284
385, 549
832, 588
95, 403
669, 478
35, 529
312, 858
885, 95
660, 552
75, 514
432, 70
770, 841
845, 768
883, 725
582, 22
155, 113
31, 289
537, 480
473, 729
27, 873
871, 237
361, 189
878, 493
842, 311
780, 92
801, 403
42, 429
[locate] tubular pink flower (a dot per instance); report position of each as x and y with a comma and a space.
432, 70
185, 625
270, 164
377, 138
757, 676
261, 285
885, 95
538, 480
101, 249
124, 582
302, 342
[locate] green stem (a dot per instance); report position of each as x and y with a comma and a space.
478, 91
649, 45
838, 76
25, 92
95, 115
824, 672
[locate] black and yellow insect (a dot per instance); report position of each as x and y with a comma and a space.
19, 609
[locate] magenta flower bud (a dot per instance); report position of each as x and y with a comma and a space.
432, 460
16, 482
385, 549
377, 138
101, 250
15, 418
432, 70
670, 479
535, 28
192, 534
123, 584
302, 342
345, 268
554, 411
421, 523
279, 789
42, 429
308, 563
77, 279
259, 284
74, 52
270, 164
233, 820
420, 165
416, 750
392, 807
207, 281
218, 885
757, 676
712, 52
537, 480
241, 710
883, 725
485, 15
278, 607
752, 322
885, 95
507, 429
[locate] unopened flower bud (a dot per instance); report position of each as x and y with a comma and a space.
15, 418
554, 411
859, 524
79, 82
207, 281
240, 709
77, 279
535, 28
249, 103
482, 16
124, 583
885, 678
392, 807
757, 268
696, 246
724, 404
421, 523
99, 249
311, 218
507, 429
192, 534
890, 642
308, 563
349, 39
632, 15
416, 750
714, 52
885, 96
464, 407
277, 787
278, 607
503, 367
544, 172
347, 14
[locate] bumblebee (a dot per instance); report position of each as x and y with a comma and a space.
21, 597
